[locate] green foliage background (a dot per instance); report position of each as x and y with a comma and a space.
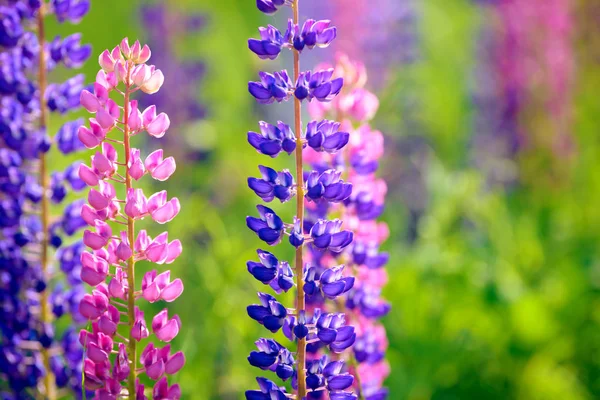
498, 295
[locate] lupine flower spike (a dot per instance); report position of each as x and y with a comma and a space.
35, 361
313, 333
356, 106
114, 245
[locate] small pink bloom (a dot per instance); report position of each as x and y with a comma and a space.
174, 250
104, 118
100, 199
123, 251
93, 269
164, 328
98, 239
125, 49
159, 125
109, 321
139, 391
160, 361
157, 250
161, 210
88, 175
159, 287
95, 374
99, 350
144, 55
107, 61
136, 167
118, 286
135, 117
89, 101
93, 305
163, 391
122, 369
89, 215
154, 83
107, 80
136, 204
104, 162
359, 104
159, 168
93, 136
142, 241
140, 74
139, 329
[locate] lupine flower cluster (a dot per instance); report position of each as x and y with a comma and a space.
112, 361
320, 335
536, 49
35, 360
381, 33
168, 26
364, 261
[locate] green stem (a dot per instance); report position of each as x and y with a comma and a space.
132, 350
46, 315
300, 304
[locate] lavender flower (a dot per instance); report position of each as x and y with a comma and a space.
311, 330
33, 360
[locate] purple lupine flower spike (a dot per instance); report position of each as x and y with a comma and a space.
108, 265
37, 253
308, 331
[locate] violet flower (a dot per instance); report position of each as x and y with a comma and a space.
34, 360
312, 377
361, 280
115, 245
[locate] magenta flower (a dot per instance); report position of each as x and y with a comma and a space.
115, 244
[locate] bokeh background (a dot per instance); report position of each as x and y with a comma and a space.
490, 111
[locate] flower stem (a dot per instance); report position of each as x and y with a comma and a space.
300, 306
46, 316
132, 350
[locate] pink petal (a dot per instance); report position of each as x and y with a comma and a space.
167, 212
164, 170
149, 115
157, 253
163, 279
135, 117
89, 101
116, 289
96, 354
86, 137
169, 331
172, 291
106, 61
123, 251
173, 251
144, 54
156, 370
87, 175
153, 84
151, 293
153, 160
105, 120
175, 363
159, 125
101, 163
93, 240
